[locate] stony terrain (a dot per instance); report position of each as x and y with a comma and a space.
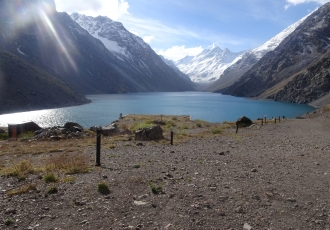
275, 176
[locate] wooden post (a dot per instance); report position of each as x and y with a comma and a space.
265, 120
279, 119
172, 134
275, 120
236, 128
98, 147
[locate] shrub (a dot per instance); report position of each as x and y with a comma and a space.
48, 178
155, 189
4, 136
8, 221
103, 188
216, 130
52, 190
20, 169
69, 164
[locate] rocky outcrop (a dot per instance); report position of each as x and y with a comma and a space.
243, 122
149, 134
310, 85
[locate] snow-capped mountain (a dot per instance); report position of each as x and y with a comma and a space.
297, 70
207, 66
132, 51
246, 61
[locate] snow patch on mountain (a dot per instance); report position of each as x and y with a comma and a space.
207, 66
271, 44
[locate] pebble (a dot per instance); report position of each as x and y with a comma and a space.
246, 226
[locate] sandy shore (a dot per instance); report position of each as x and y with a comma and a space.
276, 176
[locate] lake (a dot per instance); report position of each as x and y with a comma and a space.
106, 108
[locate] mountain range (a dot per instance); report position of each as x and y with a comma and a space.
50, 59
296, 70
51, 45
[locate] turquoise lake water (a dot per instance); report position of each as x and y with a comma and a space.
106, 108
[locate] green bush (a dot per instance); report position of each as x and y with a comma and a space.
52, 190
48, 178
103, 188
155, 189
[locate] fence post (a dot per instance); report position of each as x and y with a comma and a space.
265, 120
236, 128
275, 120
279, 119
172, 137
98, 147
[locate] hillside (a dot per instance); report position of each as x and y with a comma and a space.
58, 46
281, 69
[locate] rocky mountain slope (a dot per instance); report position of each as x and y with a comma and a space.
24, 86
52, 42
131, 51
289, 72
250, 58
207, 66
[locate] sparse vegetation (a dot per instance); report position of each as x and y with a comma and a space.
8, 221
155, 189
52, 190
20, 169
48, 178
103, 187
21, 190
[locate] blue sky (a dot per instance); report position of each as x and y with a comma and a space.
176, 28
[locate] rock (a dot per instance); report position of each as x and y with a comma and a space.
149, 134
73, 127
140, 203
10, 211
110, 130
291, 200
254, 170
246, 226
159, 122
244, 121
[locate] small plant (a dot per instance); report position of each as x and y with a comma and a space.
4, 136
155, 189
52, 190
48, 178
216, 130
103, 188
199, 123
136, 166
8, 221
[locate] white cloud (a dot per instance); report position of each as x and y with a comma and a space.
296, 2
148, 39
110, 8
177, 52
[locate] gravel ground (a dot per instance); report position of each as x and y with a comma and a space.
272, 177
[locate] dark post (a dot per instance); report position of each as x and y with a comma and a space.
279, 119
172, 137
98, 147
275, 120
265, 120
236, 127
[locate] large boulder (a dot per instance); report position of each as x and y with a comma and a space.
73, 127
149, 134
110, 130
244, 121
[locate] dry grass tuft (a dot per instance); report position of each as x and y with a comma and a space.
21, 190
68, 164
20, 169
